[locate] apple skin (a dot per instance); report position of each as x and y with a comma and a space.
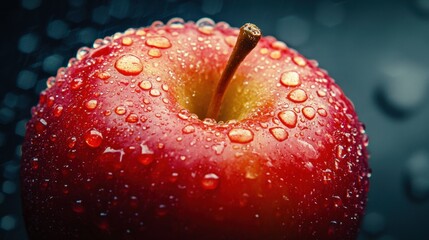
110, 152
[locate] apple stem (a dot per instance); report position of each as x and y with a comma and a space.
247, 39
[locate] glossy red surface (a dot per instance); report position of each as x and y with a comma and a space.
112, 152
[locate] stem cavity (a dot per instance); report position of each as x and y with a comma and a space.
247, 39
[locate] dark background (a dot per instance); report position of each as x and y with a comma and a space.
378, 52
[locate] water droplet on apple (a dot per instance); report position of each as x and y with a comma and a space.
76, 83
93, 138
120, 110
53, 138
50, 82
263, 51
91, 104
146, 156
129, 65
252, 170
143, 118
218, 148
40, 125
141, 32
290, 79
309, 165
72, 62
279, 133
327, 176
230, 40
309, 112
279, 45
77, 207
82, 52
145, 85
210, 181
240, 135
188, 129
107, 112
113, 156
34, 163
275, 54
365, 139
288, 118
306, 150
341, 152
103, 75
244, 200
322, 112
71, 142
205, 25
173, 177
176, 23
321, 93
337, 201
164, 87
50, 101
416, 177
155, 93
300, 61
98, 43
127, 41
184, 115
333, 227
133, 202
158, 42
65, 186
209, 121
58, 110
132, 118
154, 52
157, 24
162, 210
297, 95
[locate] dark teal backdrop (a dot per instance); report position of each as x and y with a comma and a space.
377, 50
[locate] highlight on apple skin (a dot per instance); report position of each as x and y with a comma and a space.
119, 146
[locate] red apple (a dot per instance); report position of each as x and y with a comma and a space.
119, 146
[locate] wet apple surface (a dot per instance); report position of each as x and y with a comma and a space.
119, 145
